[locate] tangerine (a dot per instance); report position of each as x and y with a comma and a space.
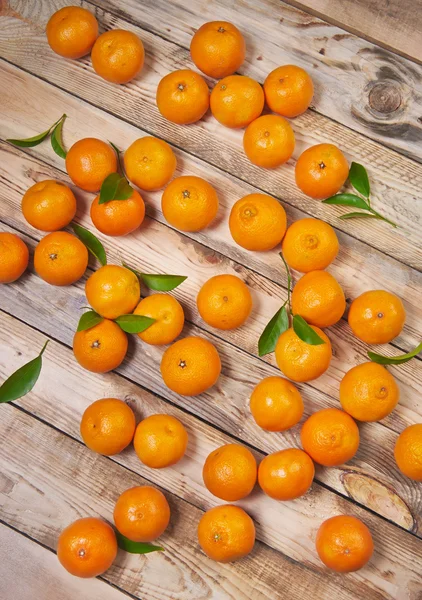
14, 257
88, 162
101, 348
319, 299
118, 56
160, 441
118, 217
408, 452
230, 472
344, 543
183, 97
72, 31
257, 222
287, 474
288, 90
276, 404
108, 426
377, 317
189, 203
142, 513
190, 366
49, 205
226, 533
299, 360
113, 291
236, 101
269, 141
218, 49
224, 302
310, 245
168, 315
321, 171
150, 163
60, 258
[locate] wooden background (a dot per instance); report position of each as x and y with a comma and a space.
368, 100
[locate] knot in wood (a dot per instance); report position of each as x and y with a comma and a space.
385, 97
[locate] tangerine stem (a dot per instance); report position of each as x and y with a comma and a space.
289, 281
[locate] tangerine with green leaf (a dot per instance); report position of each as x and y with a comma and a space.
168, 315
89, 161
118, 217
113, 291
101, 348
300, 361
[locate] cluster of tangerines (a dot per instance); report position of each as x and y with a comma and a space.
190, 366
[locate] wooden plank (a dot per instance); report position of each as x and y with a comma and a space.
176, 254
395, 181
346, 69
29, 571
289, 527
49, 480
394, 25
226, 406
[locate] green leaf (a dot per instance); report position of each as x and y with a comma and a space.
91, 242
88, 320
115, 187
23, 380
305, 332
37, 139
136, 547
278, 324
162, 283
347, 200
134, 323
395, 360
56, 139
358, 177
359, 215
115, 148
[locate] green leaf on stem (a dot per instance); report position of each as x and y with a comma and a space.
115, 187
23, 380
358, 177
395, 360
276, 326
359, 215
91, 242
347, 200
115, 148
37, 139
305, 332
88, 320
134, 323
158, 282
56, 139
136, 547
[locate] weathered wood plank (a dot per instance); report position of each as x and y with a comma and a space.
49, 480
175, 253
288, 526
29, 571
393, 25
226, 405
395, 186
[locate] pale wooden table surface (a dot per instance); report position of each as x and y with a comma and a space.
368, 101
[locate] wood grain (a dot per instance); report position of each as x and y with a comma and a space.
289, 526
395, 189
226, 406
49, 480
389, 23
27, 570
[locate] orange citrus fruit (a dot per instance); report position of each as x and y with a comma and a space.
368, 392
344, 543
101, 348
288, 90
169, 319
150, 163
87, 547
330, 437
377, 317
190, 366
224, 302
118, 56
160, 441
276, 404
49, 205
183, 97
118, 217
108, 426
226, 533
257, 222
321, 171
72, 31
230, 472
408, 452
113, 291
236, 101
218, 49
88, 162
269, 141
189, 203
60, 258
319, 299
142, 513
310, 245
14, 257
287, 474
299, 360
